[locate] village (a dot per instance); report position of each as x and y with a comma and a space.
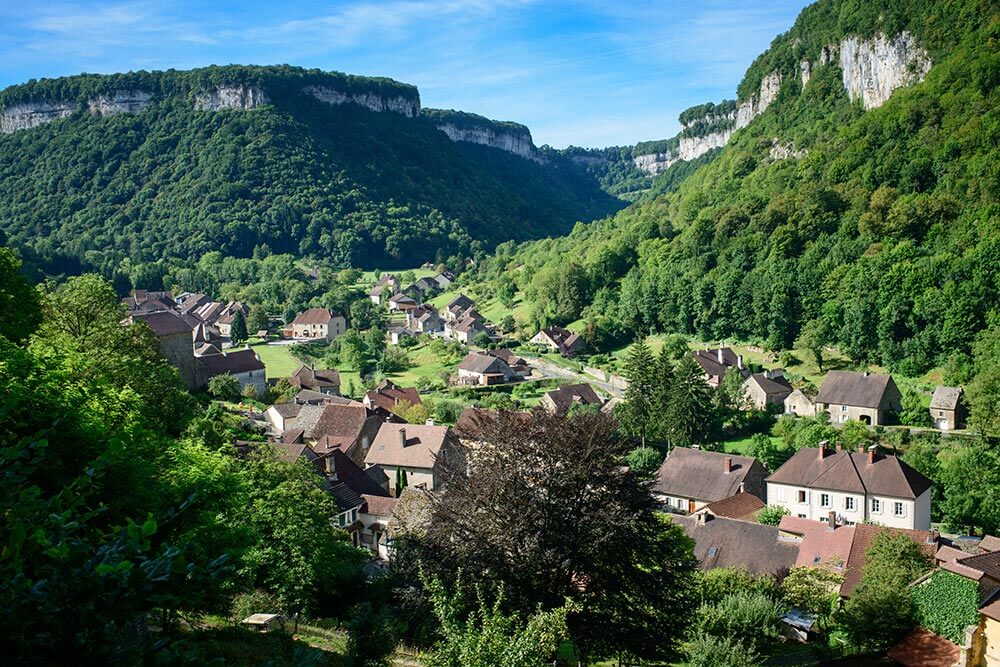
821, 508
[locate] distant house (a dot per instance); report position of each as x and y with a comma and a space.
483, 369
721, 542
716, 362
947, 408
285, 417
865, 397
427, 286
560, 401
395, 335
424, 454
225, 316
424, 319
349, 485
318, 323
388, 280
457, 306
767, 390
244, 365
143, 301
799, 404
518, 365
690, 479
557, 339
384, 398
349, 428
466, 329
445, 279
375, 515
323, 381
174, 335
817, 482
377, 293
400, 303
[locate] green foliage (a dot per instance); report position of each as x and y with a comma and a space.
257, 320
947, 604
710, 651
238, 329
690, 415
813, 590
749, 617
771, 515
486, 636
224, 387
645, 461
294, 175
19, 302
720, 582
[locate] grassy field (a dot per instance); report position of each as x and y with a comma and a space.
742, 445
278, 360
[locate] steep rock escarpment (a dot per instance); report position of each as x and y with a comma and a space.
516, 142
874, 68
239, 97
656, 163
27, 115
372, 101
119, 101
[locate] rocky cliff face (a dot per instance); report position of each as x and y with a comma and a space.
518, 144
874, 68
398, 104
656, 163
32, 114
119, 101
240, 97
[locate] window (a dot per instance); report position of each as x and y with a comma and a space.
898, 509
849, 504
802, 496
824, 500
843, 408
712, 551
779, 494
802, 516
876, 506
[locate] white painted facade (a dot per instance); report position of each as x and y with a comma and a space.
816, 504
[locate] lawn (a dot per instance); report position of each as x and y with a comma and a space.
278, 360
742, 445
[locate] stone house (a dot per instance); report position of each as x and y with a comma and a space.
387, 395
375, 515
557, 339
483, 369
799, 404
715, 363
401, 303
690, 479
466, 329
866, 397
174, 336
323, 381
224, 317
560, 401
244, 365
854, 486
457, 306
767, 390
947, 408
318, 323
423, 452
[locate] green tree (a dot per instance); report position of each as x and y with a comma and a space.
238, 329
644, 460
771, 515
750, 617
705, 650
635, 412
813, 338
401, 481
690, 416
19, 301
224, 387
813, 590
258, 319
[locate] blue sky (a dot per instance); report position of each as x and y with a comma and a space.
589, 73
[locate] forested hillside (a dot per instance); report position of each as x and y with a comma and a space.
181, 173
876, 231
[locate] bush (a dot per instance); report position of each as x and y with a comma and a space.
709, 651
748, 616
224, 387
771, 515
721, 582
249, 391
645, 461
255, 602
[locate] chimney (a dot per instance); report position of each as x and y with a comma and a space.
719, 354
739, 362
861, 449
703, 518
822, 449
742, 487
328, 461
365, 444
839, 447
727, 464
402, 437
872, 453
429, 422
866, 373
832, 520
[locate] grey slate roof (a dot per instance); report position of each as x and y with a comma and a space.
722, 542
566, 396
777, 386
946, 398
852, 388
478, 362
699, 474
238, 361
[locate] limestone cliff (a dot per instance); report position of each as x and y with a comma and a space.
874, 68
119, 101
240, 97
372, 101
27, 115
473, 128
656, 163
